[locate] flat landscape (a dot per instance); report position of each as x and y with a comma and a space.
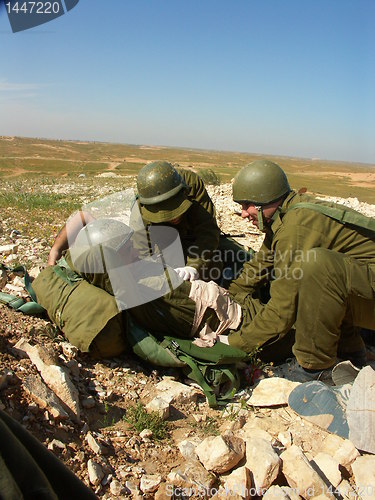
52, 159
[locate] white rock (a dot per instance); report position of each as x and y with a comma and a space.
150, 483
93, 444
160, 406
69, 350
117, 488
360, 411
235, 410
222, 493
11, 257
175, 392
220, 453
272, 391
44, 397
364, 473
340, 449
329, 466
285, 438
18, 282
8, 249
346, 490
146, 434
132, 487
55, 443
276, 493
193, 475
187, 448
34, 271
300, 475
14, 288
238, 481
249, 431
95, 471
53, 375
263, 463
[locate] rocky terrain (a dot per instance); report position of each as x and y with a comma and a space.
255, 447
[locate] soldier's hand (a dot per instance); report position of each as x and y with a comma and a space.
187, 273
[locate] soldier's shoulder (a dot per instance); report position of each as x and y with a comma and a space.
188, 175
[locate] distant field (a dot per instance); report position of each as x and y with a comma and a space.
51, 160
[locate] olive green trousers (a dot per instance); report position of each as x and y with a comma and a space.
336, 295
331, 298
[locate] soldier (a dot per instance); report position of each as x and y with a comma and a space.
320, 273
178, 197
101, 282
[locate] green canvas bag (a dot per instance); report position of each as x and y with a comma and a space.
214, 368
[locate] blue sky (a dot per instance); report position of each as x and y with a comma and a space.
283, 77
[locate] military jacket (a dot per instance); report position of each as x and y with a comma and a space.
291, 235
198, 229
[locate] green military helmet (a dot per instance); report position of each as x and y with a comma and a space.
260, 182
158, 181
161, 192
109, 232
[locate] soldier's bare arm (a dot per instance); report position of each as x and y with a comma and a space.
67, 235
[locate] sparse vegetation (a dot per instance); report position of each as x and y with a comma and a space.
59, 161
208, 426
139, 419
32, 201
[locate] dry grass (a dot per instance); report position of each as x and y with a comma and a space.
51, 159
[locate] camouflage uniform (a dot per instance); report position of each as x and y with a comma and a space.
321, 277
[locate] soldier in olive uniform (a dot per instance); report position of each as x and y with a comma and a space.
320, 273
101, 282
178, 198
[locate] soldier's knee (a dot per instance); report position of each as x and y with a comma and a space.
111, 341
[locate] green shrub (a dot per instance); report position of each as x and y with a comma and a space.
139, 419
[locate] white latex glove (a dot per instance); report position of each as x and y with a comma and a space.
187, 273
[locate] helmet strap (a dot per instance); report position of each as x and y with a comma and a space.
260, 217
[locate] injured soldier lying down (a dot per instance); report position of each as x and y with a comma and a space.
101, 281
